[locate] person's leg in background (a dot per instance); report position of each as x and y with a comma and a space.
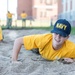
7, 23
10, 23
23, 22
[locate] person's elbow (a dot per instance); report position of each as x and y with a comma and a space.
19, 40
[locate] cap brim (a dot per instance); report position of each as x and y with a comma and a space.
59, 32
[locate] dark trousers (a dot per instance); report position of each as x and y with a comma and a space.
9, 22
23, 22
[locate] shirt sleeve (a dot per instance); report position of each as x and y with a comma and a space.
35, 41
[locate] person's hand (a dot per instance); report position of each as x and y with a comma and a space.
16, 62
68, 60
14, 65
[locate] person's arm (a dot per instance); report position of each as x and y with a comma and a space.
16, 48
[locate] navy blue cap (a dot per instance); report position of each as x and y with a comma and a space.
62, 27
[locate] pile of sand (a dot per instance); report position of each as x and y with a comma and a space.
32, 64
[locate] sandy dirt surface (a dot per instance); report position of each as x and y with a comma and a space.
32, 64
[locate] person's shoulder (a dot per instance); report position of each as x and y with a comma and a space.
68, 42
21, 14
47, 34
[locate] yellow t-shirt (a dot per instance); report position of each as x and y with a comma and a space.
23, 15
9, 15
44, 43
1, 37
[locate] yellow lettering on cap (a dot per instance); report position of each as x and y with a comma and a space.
61, 26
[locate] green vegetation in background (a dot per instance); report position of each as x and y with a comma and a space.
43, 28
73, 30
19, 28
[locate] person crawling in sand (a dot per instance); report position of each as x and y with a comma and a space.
51, 46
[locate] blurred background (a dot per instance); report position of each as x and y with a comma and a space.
40, 13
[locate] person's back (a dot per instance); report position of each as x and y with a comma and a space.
9, 15
23, 15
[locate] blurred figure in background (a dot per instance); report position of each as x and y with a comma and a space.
9, 19
1, 36
23, 17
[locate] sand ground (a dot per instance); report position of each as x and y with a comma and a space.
32, 64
